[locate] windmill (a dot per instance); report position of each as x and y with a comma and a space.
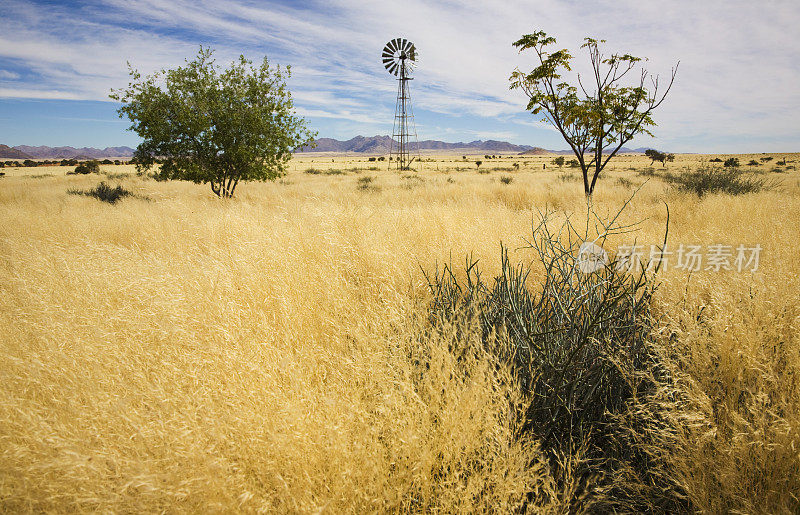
399, 57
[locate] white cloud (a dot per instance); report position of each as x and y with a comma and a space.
737, 80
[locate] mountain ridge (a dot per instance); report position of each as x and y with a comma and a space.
357, 144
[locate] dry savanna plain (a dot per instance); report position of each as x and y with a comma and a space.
177, 352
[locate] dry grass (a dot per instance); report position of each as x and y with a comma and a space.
193, 354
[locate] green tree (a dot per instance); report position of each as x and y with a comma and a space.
596, 116
559, 161
655, 155
206, 124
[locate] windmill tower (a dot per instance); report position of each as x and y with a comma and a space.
399, 57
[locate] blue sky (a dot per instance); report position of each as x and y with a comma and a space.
738, 86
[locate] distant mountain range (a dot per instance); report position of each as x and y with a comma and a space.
383, 144
359, 144
28, 152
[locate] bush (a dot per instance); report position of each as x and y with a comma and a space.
731, 162
753, 162
87, 167
313, 171
709, 179
581, 351
105, 193
366, 184
371, 159
715, 160
506, 179
573, 163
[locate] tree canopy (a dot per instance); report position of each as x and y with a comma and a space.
595, 116
206, 124
661, 157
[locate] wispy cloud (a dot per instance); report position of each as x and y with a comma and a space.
737, 81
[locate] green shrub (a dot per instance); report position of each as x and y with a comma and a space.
731, 162
506, 179
647, 172
709, 179
87, 167
569, 177
366, 183
625, 183
581, 350
105, 193
313, 171
573, 163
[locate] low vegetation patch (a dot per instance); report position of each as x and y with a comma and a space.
709, 179
86, 167
105, 193
367, 183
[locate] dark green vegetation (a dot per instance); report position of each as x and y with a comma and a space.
595, 117
86, 167
582, 352
214, 126
712, 179
661, 157
105, 193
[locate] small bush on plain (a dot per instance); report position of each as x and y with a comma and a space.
105, 193
709, 179
86, 167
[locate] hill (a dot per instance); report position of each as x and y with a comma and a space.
7, 152
382, 145
44, 152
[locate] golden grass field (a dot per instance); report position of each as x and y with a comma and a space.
185, 353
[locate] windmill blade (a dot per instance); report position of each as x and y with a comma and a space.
388, 63
413, 53
404, 45
397, 44
390, 47
393, 68
386, 54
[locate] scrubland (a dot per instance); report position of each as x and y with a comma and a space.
177, 352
